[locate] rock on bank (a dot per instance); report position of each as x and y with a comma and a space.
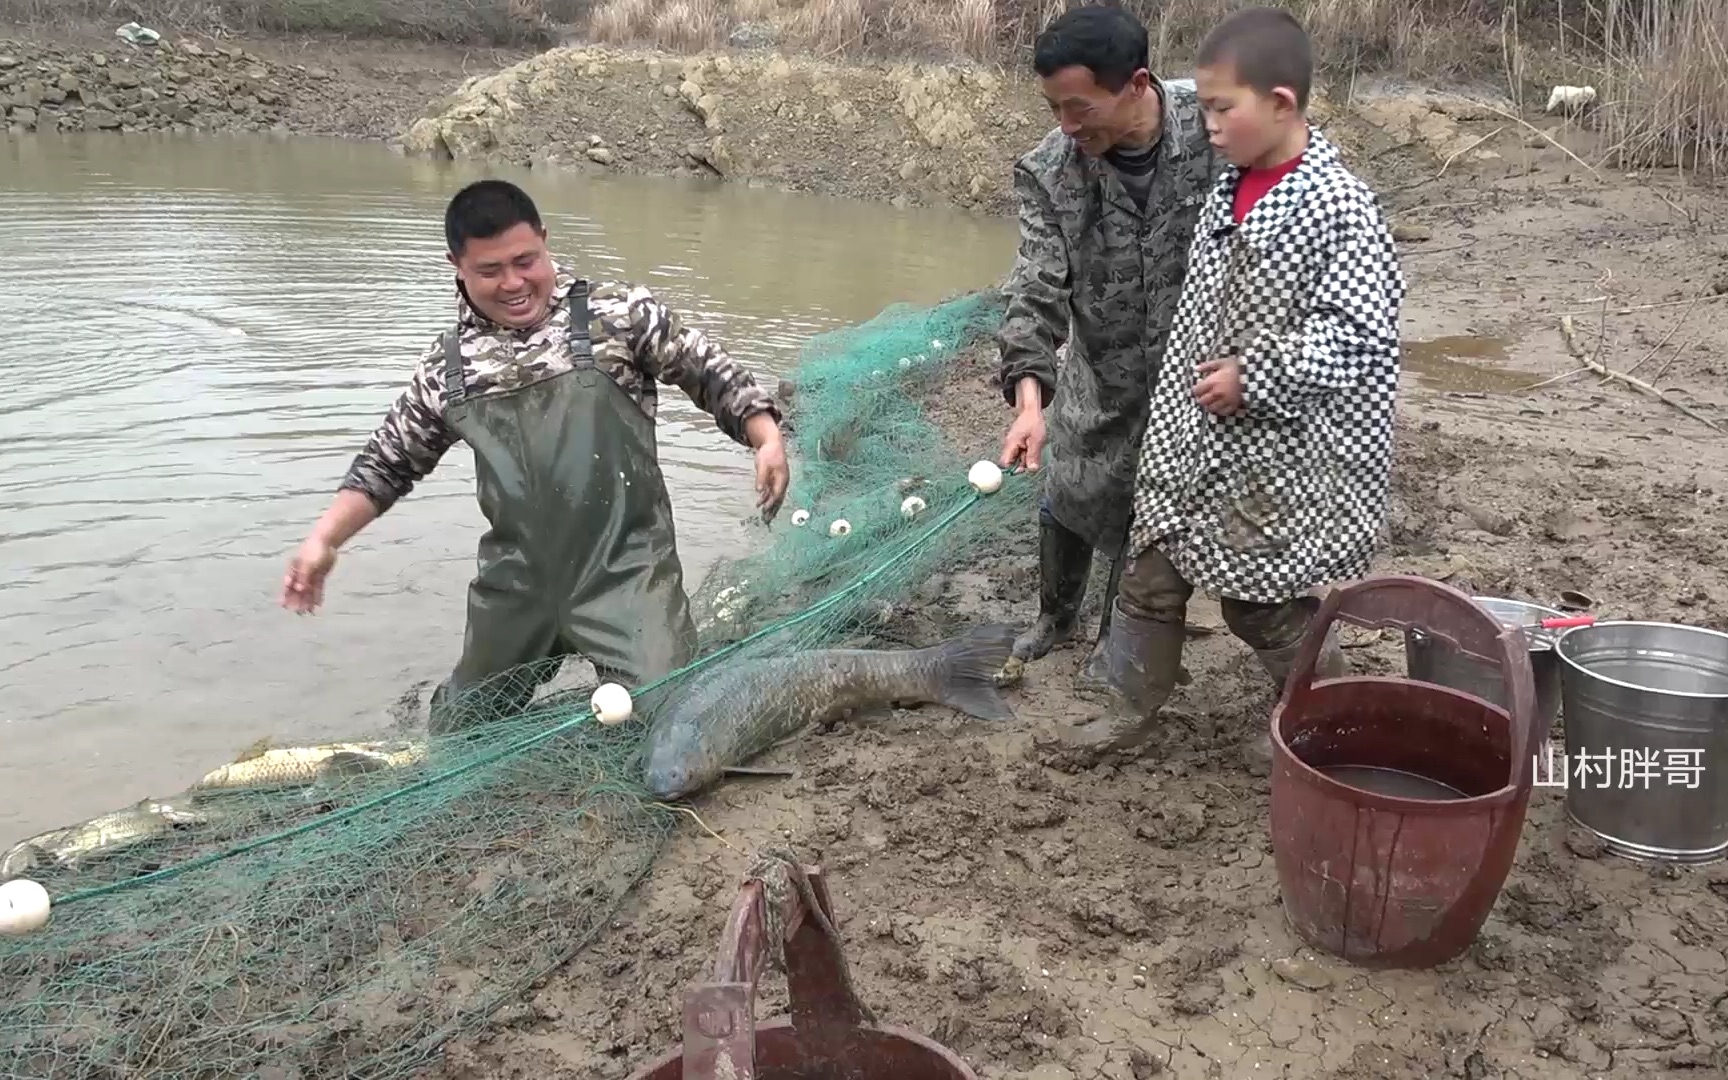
80, 79
911, 133
186, 86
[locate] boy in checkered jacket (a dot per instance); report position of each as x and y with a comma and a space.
1266, 461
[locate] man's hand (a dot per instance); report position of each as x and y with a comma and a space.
773, 474
1024, 443
303, 587
1219, 390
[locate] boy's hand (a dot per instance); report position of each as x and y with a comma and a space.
1220, 388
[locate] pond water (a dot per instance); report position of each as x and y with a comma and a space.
198, 335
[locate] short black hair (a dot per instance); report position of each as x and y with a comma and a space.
1267, 47
1104, 38
484, 209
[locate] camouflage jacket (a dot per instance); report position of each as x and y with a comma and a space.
636, 340
1290, 491
1096, 273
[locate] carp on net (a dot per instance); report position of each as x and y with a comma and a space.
349, 913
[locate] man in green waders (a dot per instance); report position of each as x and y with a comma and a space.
552, 384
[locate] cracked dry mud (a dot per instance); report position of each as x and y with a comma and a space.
1050, 921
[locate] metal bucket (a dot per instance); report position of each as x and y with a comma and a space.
1647, 738
1429, 661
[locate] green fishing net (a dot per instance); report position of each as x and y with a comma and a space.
870, 435
351, 924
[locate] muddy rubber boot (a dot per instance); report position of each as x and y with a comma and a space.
1330, 664
1142, 660
1064, 562
1093, 678
1092, 673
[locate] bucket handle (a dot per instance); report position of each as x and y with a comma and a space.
719, 1016
1410, 603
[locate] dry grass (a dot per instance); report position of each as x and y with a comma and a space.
1663, 82
672, 25
687, 25
622, 21
1433, 36
972, 27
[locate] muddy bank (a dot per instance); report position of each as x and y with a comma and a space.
185, 88
910, 133
1054, 921
89, 80
907, 133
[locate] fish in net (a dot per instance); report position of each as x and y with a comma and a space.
344, 911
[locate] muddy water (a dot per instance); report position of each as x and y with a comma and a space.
1394, 782
1463, 364
197, 337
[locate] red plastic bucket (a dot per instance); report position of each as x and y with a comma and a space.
1384, 879
830, 1034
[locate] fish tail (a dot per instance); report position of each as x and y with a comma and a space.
966, 669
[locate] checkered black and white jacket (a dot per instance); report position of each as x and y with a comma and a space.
1290, 491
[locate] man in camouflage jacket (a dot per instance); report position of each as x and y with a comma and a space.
552, 383
1108, 203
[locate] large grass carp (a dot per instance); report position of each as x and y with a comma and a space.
147, 819
721, 720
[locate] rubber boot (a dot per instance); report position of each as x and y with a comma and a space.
1064, 562
1141, 661
1093, 676
1330, 664
1092, 672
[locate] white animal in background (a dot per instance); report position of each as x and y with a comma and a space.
1572, 99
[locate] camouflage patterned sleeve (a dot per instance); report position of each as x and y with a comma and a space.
410, 441
682, 356
1036, 320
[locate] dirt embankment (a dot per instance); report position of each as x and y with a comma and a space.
910, 133
188, 88
907, 133
77, 81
